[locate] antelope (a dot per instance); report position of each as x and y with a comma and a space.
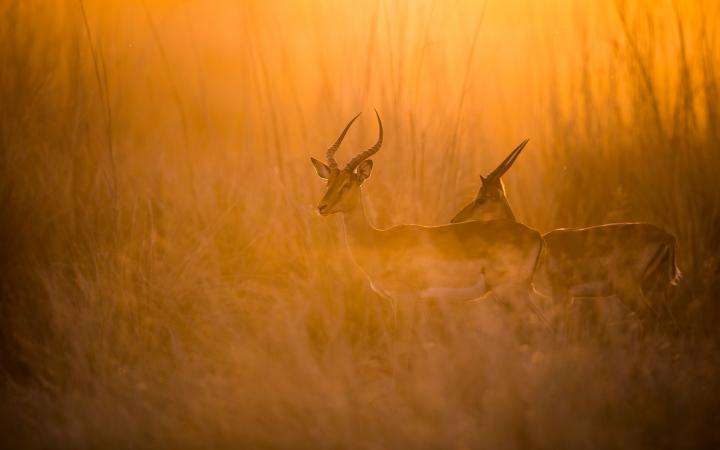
406, 263
628, 260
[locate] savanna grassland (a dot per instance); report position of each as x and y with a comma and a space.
166, 281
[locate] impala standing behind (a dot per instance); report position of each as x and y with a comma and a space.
629, 260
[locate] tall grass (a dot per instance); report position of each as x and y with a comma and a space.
167, 283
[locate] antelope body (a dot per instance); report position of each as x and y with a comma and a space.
629, 260
412, 262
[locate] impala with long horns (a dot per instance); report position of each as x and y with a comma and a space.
629, 260
412, 262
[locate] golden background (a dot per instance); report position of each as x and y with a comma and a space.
168, 283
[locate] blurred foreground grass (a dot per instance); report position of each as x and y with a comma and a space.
167, 283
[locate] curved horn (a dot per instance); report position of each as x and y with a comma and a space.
330, 154
505, 165
369, 152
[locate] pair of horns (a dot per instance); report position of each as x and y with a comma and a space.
506, 164
360, 157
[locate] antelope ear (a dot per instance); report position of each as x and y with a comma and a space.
364, 169
322, 169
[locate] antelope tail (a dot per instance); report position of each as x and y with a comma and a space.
539, 258
541, 253
664, 263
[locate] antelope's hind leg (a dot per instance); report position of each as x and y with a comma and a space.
640, 311
562, 311
659, 293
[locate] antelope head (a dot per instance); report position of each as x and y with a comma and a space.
491, 202
343, 185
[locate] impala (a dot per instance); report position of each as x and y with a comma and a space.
629, 260
405, 263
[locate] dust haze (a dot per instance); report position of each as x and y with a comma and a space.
166, 279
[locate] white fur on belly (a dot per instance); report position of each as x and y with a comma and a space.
455, 293
591, 289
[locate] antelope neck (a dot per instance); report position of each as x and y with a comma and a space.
358, 231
